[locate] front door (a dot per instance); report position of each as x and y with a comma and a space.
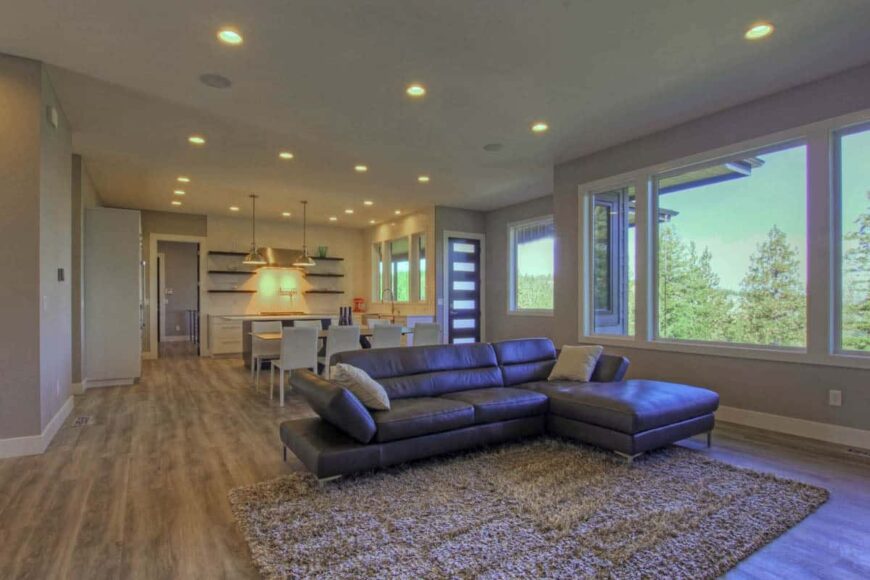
463, 290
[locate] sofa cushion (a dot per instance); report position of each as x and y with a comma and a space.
628, 406
421, 416
501, 404
576, 363
525, 360
428, 371
335, 405
367, 390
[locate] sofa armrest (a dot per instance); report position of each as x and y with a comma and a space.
335, 405
610, 369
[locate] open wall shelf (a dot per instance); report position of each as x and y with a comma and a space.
316, 275
240, 272
232, 291
222, 253
333, 258
324, 291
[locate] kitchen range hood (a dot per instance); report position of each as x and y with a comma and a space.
279, 257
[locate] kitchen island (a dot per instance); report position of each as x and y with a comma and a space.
230, 334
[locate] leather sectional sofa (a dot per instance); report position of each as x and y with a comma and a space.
451, 397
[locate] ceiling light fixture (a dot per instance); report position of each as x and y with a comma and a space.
234, 208
540, 127
758, 31
285, 155
182, 179
179, 192
398, 212
368, 202
348, 211
372, 222
361, 168
416, 90
196, 140
229, 35
423, 179
286, 214
332, 218
176, 202
304, 261
215, 81
254, 257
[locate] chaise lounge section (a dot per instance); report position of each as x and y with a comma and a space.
452, 397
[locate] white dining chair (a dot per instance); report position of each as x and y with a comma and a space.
298, 351
263, 350
308, 324
373, 322
386, 336
338, 339
427, 333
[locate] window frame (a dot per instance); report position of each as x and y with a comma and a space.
823, 254
386, 276
512, 309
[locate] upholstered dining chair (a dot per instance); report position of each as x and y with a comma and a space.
386, 336
298, 351
262, 350
426, 333
338, 339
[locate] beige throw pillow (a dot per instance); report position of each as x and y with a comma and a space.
576, 363
367, 390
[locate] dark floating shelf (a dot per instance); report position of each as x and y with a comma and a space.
316, 275
222, 253
245, 272
324, 291
315, 258
232, 291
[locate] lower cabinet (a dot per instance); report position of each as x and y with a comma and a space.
224, 336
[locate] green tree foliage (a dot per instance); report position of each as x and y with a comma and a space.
692, 306
856, 286
773, 299
535, 292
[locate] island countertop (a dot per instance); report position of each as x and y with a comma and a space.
257, 317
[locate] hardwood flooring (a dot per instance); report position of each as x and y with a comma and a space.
141, 491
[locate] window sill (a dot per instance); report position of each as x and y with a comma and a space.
539, 313
786, 355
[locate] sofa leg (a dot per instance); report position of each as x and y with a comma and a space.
325, 480
629, 459
285, 453
709, 439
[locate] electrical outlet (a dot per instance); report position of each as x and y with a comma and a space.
835, 398
177, 327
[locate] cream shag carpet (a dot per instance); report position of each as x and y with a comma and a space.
544, 508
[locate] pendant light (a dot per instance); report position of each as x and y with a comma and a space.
304, 261
254, 257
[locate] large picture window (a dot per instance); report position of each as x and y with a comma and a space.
731, 250
532, 247
400, 270
853, 166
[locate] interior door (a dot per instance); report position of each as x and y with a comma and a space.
463, 290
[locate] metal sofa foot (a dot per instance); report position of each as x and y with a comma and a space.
325, 480
285, 454
629, 459
709, 439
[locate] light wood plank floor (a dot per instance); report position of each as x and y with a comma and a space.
141, 492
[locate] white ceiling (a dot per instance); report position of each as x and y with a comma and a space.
325, 79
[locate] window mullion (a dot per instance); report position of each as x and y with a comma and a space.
644, 268
821, 271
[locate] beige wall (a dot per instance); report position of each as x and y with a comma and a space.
789, 389
20, 114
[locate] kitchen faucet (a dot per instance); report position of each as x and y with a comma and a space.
392, 303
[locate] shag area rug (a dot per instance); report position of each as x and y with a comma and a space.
544, 508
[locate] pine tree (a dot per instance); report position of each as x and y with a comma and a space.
856, 286
773, 300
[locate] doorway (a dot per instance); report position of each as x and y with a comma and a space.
178, 298
464, 287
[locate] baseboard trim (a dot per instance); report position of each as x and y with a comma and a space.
148, 355
36, 444
838, 434
78, 388
95, 384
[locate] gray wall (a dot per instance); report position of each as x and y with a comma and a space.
20, 114
84, 196
790, 389
180, 268
454, 220
498, 322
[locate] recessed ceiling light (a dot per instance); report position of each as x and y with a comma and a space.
229, 35
758, 31
493, 147
348, 211
176, 202
215, 81
540, 127
415, 90
182, 179
398, 212
332, 218
368, 202
196, 140
234, 208
179, 192
285, 155
372, 222
423, 179
361, 168
286, 214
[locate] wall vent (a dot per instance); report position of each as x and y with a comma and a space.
83, 420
